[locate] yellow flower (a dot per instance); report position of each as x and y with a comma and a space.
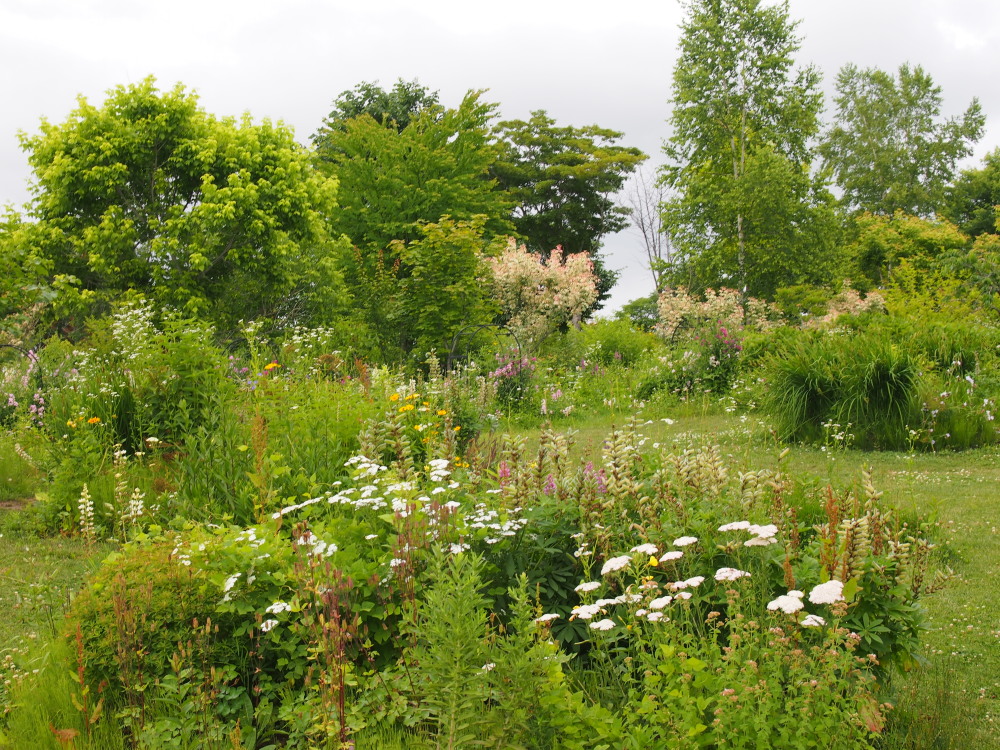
441, 412
457, 427
418, 427
271, 366
70, 423
94, 420
411, 397
406, 407
653, 561
394, 397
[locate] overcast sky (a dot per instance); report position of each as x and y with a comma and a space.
585, 62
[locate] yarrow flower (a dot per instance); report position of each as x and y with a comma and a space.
730, 574
615, 563
547, 617
674, 554
786, 603
660, 602
685, 541
735, 526
602, 624
655, 616
586, 611
812, 621
827, 593
646, 549
588, 586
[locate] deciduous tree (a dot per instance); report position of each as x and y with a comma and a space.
748, 212
889, 149
147, 192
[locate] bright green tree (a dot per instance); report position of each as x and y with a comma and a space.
563, 181
747, 211
392, 180
148, 193
888, 148
973, 198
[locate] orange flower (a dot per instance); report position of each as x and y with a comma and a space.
441, 412
94, 420
394, 397
271, 366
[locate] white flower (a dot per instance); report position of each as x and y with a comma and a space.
457, 549
765, 532
452, 505
267, 625
735, 526
685, 541
369, 537
674, 554
231, 581
488, 667
278, 607
797, 594
655, 616
660, 602
646, 549
682, 595
615, 563
694, 582
641, 612
827, 593
603, 624
813, 621
760, 541
547, 617
586, 611
588, 586
787, 604
730, 574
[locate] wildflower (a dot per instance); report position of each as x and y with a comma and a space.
682, 595
271, 366
655, 616
730, 574
813, 621
278, 607
488, 667
602, 624
615, 563
694, 582
394, 397
267, 625
827, 593
735, 526
685, 541
94, 420
653, 561
588, 586
647, 549
585, 611
674, 554
787, 604
547, 617
441, 412
660, 602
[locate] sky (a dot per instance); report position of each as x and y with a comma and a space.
583, 61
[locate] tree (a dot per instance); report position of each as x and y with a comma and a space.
747, 212
394, 108
888, 149
646, 198
884, 241
391, 180
972, 200
563, 181
149, 193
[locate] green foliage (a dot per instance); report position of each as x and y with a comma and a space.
640, 312
561, 180
746, 209
394, 108
972, 198
802, 301
887, 149
883, 241
148, 192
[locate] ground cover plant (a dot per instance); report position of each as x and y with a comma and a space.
320, 552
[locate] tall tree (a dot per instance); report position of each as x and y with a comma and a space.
645, 199
394, 108
148, 192
563, 181
747, 211
888, 148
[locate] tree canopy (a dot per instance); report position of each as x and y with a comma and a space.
747, 211
889, 149
147, 192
